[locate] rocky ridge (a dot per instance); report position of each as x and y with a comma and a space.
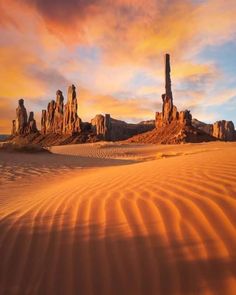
60, 123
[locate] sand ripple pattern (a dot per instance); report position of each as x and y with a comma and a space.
157, 227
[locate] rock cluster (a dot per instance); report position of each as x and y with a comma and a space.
224, 130
169, 110
23, 125
61, 124
60, 118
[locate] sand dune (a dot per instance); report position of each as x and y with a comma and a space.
119, 219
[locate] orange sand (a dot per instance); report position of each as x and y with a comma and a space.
119, 219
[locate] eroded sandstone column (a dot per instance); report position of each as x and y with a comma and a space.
167, 77
59, 113
13, 128
21, 116
72, 123
50, 116
167, 97
32, 127
43, 122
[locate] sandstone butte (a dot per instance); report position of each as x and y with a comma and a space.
60, 123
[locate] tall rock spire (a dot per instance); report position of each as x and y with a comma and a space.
167, 77
169, 112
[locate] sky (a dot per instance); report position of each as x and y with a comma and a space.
113, 52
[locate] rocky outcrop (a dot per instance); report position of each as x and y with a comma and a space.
60, 118
98, 124
207, 128
169, 110
44, 122
102, 126
60, 123
58, 113
107, 127
50, 116
224, 130
172, 126
32, 127
21, 118
13, 128
71, 122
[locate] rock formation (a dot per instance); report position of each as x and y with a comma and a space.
50, 116
102, 125
98, 124
59, 118
59, 113
169, 110
60, 123
13, 128
72, 123
224, 130
44, 122
32, 127
21, 117
207, 128
107, 127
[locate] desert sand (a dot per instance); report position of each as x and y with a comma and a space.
119, 219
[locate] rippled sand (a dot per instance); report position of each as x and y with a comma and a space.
119, 219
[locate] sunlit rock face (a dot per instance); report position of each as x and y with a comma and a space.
21, 118
59, 113
13, 128
60, 118
44, 122
71, 122
32, 127
224, 130
102, 126
169, 110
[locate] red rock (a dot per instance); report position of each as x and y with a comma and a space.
169, 110
71, 122
32, 127
59, 113
13, 129
224, 130
44, 122
22, 118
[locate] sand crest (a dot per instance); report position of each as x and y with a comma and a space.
119, 219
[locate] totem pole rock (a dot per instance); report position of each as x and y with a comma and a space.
169, 112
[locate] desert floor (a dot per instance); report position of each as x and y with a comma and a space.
119, 219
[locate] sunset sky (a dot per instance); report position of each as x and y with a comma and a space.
113, 52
